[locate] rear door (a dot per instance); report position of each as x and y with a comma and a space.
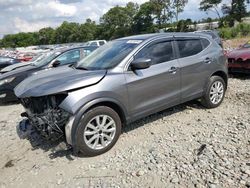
158, 86
195, 65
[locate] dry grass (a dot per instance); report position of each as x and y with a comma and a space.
235, 43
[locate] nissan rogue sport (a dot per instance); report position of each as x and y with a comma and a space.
122, 81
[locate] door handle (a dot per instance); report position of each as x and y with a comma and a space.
173, 70
207, 61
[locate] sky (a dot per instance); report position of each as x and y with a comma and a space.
32, 15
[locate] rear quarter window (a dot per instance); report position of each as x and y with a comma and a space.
189, 47
205, 42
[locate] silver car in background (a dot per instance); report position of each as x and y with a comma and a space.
122, 81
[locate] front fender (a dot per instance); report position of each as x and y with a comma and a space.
71, 127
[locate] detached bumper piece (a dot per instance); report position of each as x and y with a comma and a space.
45, 115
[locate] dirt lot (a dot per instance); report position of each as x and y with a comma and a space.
186, 146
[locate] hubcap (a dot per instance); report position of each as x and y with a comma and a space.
99, 132
216, 92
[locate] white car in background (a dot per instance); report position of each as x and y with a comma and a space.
96, 43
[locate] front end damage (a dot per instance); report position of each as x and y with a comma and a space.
45, 115
239, 65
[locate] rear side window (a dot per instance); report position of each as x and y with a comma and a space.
101, 43
159, 52
205, 43
93, 44
189, 47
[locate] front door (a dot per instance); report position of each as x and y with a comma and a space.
157, 87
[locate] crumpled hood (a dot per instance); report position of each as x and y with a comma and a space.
53, 81
243, 54
15, 66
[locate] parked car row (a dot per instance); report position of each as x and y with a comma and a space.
12, 75
90, 96
7, 61
29, 53
21, 56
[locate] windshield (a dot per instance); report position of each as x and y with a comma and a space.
109, 55
38, 58
48, 57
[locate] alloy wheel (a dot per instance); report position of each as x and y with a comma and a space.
216, 92
99, 132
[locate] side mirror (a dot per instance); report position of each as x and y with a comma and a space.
56, 63
141, 63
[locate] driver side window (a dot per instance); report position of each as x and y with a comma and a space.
72, 56
159, 52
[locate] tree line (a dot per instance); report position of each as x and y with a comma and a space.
132, 19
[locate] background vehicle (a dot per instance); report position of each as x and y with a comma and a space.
214, 34
96, 43
239, 59
11, 76
25, 57
6, 61
123, 81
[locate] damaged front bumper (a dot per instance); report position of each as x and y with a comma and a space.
45, 115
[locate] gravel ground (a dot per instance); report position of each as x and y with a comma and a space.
186, 146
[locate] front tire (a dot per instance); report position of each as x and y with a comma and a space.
214, 93
98, 131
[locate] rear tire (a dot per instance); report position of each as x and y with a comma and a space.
214, 93
98, 131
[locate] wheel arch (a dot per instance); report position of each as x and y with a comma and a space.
221, 74
109, 102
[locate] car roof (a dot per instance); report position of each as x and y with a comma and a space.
96, 40
158, 35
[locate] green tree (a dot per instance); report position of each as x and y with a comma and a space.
184, 25
67, 32
46, 36
211, 5
235, 11
178, 7
159, 11
117, 22
20, 39
238, 10
88, 31
144, 19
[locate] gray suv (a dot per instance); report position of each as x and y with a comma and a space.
122, 81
